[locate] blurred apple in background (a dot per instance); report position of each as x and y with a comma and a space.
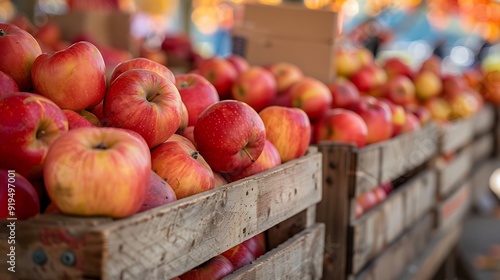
256, 87
380, 194
159, 193
412, 123
422, 113
397, 67
153, 53
432, 64
473, 78
463, 105
427, 85
283, 124
197, 94
367, 200
312, 96
341, 125
7, 84
239, 256
24, 23
377, 116
346, 62
216, 268
16, 187
344, 93
22, 50
490, 88
142, 63
398, 116
400, 90
440, 109
453, 85
365, 57
220, 73
286, 74
239, 63
49, 34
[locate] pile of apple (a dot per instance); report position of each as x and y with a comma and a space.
229, 261
111, 149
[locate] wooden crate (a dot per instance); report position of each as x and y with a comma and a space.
455, 135
450, 174
393, 262
453, 209
484, 121
376, 230
349, 172
300, 257
167, 241
483, 147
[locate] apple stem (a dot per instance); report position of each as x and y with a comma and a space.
248, 154
100, 146
2, 33
195, 155
184, 84
153, 97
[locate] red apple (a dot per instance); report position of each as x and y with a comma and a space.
184, 169
256, 87
24, 23
358, 210
440, 109
364, 80
344, 93
412, 123
159, 193
90, 117
19, 50
463, 105
188, 133
95, 171
432, 64
18, 197
197, 94
142, 63
7, 84
239, 63
181, 139
422, 113
52, 209
367, 200
427, 85
230, 135
155, 54
39, 187
378, 118
184, 119
216, 268
453, 85
268, 159
74, 78
286, 74
239, 256
398, 116
97, 110
400, 90
220, 73
312, 96
387, 187
49, 34
343, 126
256, 245
75, 120
346, 62
112, 57
219, 180
30, 123
473, 78
283, 124
145, 102
284, 99
395, 66
380, 194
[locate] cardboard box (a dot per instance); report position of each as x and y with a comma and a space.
288, 33
107, 28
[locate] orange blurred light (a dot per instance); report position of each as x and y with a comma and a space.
205, 19
316, 4
270, 2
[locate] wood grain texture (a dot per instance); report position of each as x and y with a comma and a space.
169, 240
451, 174
419, 198
281, 232
300, 257
392, 263
484, 120
455, 135
482, 147
368, 168
451, 211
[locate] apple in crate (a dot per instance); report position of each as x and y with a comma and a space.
197, 94
344, 93
18, 197
230, 135
401, 91
463, 104
142, 63
268, 159
346, 62
78, 182
219, 180
184, 119
74, 78
397, 67
422, 113
7, 84
90, 117
367, 200
30, 123
398, 116
432, 64
453, 85
342, 126
312, 96
19, 50
184, 169
256, 87
286, 74
377, 116
75, 120
239, 63
220, 73
283, 124
189, 134
427, 85
145, 102
439, 108
159, 193
256, 245
239, 256
412, 123
216, 268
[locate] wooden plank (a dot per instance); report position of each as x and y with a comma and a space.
483, 147
281, 232
455, 135
452, 173
392, 263
367, 168
174, 238
484, 120
333, 210
428, 263
451, 211
301, 257
419, 198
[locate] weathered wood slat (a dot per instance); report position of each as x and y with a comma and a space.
392, 263
167, 241
455, 135
419, 198
484, 120
451, 211
449, 175
301, 257
483, 147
